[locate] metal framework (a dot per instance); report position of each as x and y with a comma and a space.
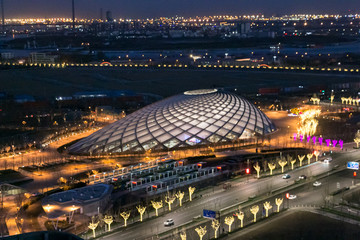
203, 116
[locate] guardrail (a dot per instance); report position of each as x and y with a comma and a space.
185, 66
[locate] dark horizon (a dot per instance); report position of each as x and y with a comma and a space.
186, 8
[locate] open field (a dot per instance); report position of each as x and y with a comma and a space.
305, 225
165, 82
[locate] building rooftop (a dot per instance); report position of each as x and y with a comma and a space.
58, 204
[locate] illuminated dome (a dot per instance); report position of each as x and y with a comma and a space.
195, 117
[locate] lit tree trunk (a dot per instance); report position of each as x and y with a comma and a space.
229, 221
254, 210
292, 164
215, 225
278, 202
317, 154
125, 216
191, 191
282, 163
301, 158
257, 168
309, 156
267, 207
271, 167
141, 211
157, 205
180, 196
240, 215
108, 220
169, 200
201, 231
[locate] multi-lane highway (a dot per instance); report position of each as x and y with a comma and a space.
218, 198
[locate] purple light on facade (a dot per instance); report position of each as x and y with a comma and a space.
295, 135
328, 142
308, 139
314, 139
341, 143
334, 142
301, 138
320, 140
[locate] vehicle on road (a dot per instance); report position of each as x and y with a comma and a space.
292, 196
328, 160
286, 176
168, 222
317, 184
302, 177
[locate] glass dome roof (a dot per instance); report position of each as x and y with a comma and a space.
195, 117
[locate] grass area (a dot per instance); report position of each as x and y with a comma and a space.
11, 176
305, 225
63, 225
164, 82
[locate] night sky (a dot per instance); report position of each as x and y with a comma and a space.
155, 8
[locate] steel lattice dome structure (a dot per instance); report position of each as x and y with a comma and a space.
195, 117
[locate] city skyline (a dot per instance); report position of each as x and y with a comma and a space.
146, 9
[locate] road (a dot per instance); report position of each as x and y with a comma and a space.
47, 155
240, 192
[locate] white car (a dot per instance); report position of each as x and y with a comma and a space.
317, 184
286, 176
328, 160
168, 222
292, 197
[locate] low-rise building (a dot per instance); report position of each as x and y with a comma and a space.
89, 200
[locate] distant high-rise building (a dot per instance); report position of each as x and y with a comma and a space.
3, 15
245, 28
109, 16
73, 14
